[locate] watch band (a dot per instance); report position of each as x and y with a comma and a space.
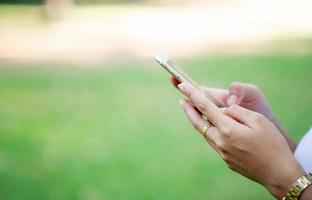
298, 187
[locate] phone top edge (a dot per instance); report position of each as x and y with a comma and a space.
164, 62
180, 75
161, 58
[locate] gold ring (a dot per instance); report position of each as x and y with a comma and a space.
205, 128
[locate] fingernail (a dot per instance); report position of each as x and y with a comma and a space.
181, 86
232, 100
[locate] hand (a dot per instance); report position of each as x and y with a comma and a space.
247, 96
243, 94
247, 141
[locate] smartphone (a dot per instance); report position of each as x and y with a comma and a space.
179, 74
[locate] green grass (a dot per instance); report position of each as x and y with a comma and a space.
118, 132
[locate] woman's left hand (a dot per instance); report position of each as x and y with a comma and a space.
247, 141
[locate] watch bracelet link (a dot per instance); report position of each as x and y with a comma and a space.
298, 187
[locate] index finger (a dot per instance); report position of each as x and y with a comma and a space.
204, 105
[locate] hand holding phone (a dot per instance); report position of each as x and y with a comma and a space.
179, 74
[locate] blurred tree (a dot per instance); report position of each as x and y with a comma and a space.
107, 1
34, 2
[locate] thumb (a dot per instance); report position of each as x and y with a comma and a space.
239, 92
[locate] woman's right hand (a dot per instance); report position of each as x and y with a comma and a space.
246, 140
247, 96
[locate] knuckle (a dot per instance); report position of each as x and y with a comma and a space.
226, 130
222, 147
233, 108
202, 106
234, 85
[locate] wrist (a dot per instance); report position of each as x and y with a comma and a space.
280, 187
291, 143
297, 189
307, 193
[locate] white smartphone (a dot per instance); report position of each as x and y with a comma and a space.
179, 74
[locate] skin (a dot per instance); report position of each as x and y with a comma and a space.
307, 194
247, 96
246, 140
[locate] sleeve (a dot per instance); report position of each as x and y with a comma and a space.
303, 152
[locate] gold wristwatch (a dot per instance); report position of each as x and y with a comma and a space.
298, 187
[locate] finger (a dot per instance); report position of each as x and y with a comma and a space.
212, 131
220, 95
175, 81
241, 91
223, 109
241, 115
204, 105
217, 96
198, 122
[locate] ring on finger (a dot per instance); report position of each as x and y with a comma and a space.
205, 128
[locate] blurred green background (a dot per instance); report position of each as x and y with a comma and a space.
111, 128
120, 134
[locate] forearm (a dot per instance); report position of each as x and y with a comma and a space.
291, 143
